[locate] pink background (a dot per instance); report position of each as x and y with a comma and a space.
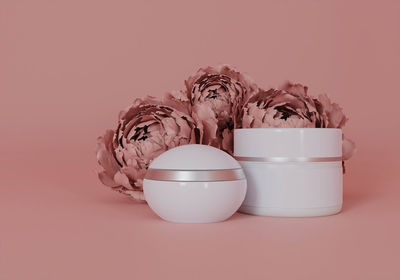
68, 67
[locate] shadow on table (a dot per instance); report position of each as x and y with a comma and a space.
363, 184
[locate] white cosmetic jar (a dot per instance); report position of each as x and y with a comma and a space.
194, 184
291, 172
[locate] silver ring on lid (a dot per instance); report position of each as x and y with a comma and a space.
195, 175
288, 159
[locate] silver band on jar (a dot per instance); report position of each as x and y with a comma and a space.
195, 175
288, 159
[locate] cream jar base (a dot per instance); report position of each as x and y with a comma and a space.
291, 212
194, 202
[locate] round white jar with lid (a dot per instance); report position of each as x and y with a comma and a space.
291, 172
194, 184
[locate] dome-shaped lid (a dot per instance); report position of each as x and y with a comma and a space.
194, 157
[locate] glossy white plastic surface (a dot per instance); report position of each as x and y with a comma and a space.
291, 189
288, 142
194, 202
194, 157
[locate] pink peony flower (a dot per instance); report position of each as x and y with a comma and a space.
216, 95
145, 130
291, 106
280, 108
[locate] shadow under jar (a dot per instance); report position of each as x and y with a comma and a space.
291, 172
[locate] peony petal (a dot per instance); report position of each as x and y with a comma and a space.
204, 115
336, 118
105, 156
227, 141
138, 195
296, 89
178, 100
121, 179
107, 180
348, 148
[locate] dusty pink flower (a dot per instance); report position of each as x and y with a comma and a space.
281, 108
291, 106
216, 95
331, 114
145, 130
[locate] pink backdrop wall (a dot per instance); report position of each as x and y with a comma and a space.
68, 67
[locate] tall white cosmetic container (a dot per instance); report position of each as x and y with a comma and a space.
291, 172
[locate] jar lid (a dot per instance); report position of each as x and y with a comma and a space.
303, 144
194, 157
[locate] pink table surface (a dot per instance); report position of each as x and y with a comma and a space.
68, 67
61, 228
